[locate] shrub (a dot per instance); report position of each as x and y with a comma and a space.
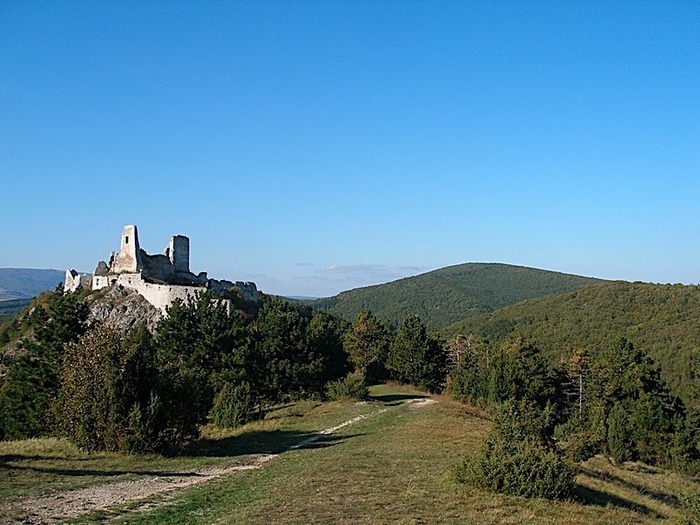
689, 508
115, 396
532, 472
352, 386
234, 406
519, 457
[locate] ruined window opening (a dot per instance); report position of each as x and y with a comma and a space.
126, 240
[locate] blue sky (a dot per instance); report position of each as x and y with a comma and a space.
314, 147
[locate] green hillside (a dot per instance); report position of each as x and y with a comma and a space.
447, 295
663, 319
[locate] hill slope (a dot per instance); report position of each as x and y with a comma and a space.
663, 319
447, 295
25, 283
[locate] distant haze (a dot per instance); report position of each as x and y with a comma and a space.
24, 283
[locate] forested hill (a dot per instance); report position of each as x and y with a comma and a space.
25, 283
662, 319
448, 295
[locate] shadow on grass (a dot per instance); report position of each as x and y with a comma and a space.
668, 499
591, 496
278, 411
396, 399
250, 443
257, 442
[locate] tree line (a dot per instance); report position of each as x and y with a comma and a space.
549, 418
145, 391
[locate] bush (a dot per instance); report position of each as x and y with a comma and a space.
519, 457
533, 472
690, 508
114, 395
234, 406
352, 386
582, 438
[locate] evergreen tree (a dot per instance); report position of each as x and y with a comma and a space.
31, 384
417, 358
116, 396
292, 357
367, 344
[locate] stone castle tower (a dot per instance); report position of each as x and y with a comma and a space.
128, 260
159, 278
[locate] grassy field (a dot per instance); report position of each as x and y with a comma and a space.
393, 466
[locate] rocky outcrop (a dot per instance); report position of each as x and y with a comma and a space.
122, 309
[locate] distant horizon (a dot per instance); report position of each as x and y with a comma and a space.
302, 295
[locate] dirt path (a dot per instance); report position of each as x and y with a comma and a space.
73, 503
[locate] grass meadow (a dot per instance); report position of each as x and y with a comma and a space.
393, 466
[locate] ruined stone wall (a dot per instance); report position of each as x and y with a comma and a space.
128, 260
179, 252
159, 295
248, 290
102, 281
74, 280
157, 267
134, 269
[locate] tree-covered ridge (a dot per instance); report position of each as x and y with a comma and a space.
448, 295
662, 319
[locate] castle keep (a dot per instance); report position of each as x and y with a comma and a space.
160, 278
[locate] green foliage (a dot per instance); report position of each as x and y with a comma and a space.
200, 334
294, 354
515, 369
518, 456
367, 345
115, 395
141, 394
351, 386
662, 319
25, 397
31, 384
448, 295
689, 508
234, 406
624, 410
84, 401
619, 443
416, 358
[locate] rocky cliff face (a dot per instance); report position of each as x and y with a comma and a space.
122, 309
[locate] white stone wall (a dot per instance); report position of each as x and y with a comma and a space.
159, 295
74, 280
71, 281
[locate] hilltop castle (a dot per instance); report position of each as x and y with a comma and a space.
160, 279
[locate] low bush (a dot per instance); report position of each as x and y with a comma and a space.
234, 406
352, 386
689, 508
519, 457
533, 472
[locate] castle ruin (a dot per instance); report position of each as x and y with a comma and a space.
160, 278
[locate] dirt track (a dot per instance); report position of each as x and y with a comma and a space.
73, 503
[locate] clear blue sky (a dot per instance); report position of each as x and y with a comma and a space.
314, 147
